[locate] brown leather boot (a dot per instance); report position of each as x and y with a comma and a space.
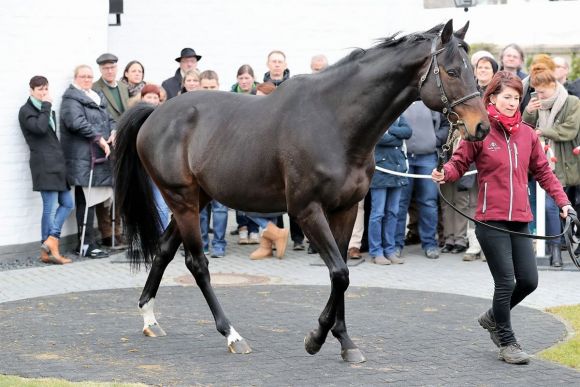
279, 236
264, 251
52, 244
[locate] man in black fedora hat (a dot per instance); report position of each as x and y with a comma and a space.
187, 61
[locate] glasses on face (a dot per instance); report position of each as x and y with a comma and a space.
85, 76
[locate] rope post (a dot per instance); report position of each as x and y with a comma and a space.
541, 257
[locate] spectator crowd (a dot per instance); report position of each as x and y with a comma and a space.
72, 159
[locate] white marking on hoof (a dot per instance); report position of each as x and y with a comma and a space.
147, 311
233, 336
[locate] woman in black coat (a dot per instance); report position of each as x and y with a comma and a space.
86, 130
47, 165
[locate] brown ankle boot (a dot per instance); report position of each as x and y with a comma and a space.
279, 236
52, 244
44, 253
264, 251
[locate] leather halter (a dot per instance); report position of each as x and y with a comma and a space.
447, 106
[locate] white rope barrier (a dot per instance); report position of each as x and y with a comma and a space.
415, 176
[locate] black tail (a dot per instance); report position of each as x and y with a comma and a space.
133, 193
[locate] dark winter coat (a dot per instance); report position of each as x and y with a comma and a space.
172, 85
83, 123
47, 163
389, 155
277, 82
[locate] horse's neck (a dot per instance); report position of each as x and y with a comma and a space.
379, 90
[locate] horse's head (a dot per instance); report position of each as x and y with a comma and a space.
448, 84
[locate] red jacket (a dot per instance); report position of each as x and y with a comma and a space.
503, 162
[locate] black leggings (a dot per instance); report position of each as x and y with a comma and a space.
512, 262
80, 203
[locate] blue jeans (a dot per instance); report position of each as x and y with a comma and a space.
262, 221
383, 220
426, 196
219, 214
553, 224
161, 206
53, 217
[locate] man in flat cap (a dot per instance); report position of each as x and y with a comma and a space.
116, 93
117, 97
187, 61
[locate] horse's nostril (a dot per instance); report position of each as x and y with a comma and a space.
481, 131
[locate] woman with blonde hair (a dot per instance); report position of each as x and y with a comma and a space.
191, 81
556, 117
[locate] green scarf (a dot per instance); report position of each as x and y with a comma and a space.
38, 104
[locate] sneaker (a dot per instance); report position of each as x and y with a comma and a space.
513, 354
487, 322
92, 251
254, 238
380, 260
432, 253
447, 248
299, 246
243, 236
312, 249
218, 254
395, 260
458, 249
398, 252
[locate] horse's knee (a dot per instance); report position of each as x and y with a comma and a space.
340, 278
196, 265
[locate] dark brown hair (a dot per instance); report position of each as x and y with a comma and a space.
131, 64
246, 68
37, 81
500, 81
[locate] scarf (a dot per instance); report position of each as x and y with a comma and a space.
38, 104
549, 109
510, 124
133, 89
93, 95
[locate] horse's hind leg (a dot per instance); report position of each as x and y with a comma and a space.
341, 224
168, 245
197, 263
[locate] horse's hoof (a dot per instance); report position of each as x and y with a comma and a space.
353, 355
240, 346
154, 330
311, 346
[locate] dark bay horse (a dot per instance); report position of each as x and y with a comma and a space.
306, 149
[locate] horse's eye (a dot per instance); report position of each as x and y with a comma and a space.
453, 73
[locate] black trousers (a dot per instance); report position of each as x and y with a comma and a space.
512, 262
80, 204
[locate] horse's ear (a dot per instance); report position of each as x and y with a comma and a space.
461, 33
447, 32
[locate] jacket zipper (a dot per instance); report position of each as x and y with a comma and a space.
516, 152
484, 197
511, 176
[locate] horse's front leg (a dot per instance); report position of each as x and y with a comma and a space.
168, 245
315, 226
197, 264
341, 225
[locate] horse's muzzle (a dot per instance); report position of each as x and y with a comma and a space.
481, 131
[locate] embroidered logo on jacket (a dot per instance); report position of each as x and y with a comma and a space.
493, 146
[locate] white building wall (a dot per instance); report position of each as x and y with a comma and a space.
38, 37
52, 37
229, 33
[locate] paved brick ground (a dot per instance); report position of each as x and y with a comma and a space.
409, 337
415, 322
